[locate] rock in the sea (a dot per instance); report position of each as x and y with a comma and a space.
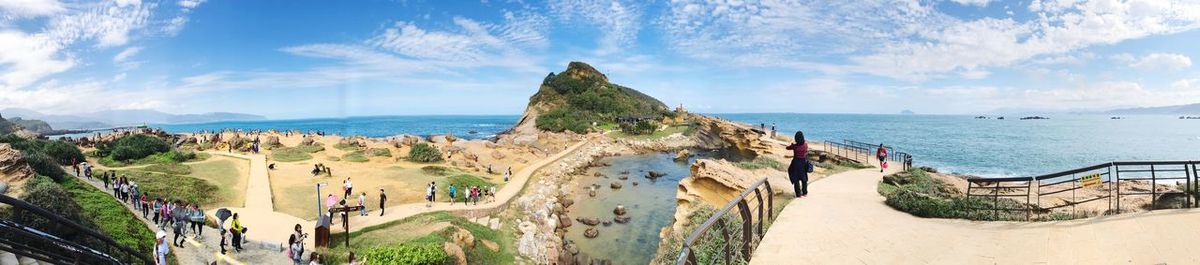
566, 203
620, 210
623, 178
615, 185
621, 219
635, 183
590, 221
589, 233
655, 174
682, 155
626, 172
606, 223
570, 247
592, 193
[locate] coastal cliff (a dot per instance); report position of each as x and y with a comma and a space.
580, 96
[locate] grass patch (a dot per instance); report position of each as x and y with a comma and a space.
462, 181
355, 156
172, 187
436, 170
421, 246
657, 134
347, 147
762, 162
380, 152
169, 168
225, 175
112, 217
291, 154
916, 193
169, 157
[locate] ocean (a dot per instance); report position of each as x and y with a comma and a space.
952, 143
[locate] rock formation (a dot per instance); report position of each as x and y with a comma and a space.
13, 169
740, 137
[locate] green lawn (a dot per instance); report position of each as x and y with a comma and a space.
355, 156
224, 174
657, 134
172, 187
112, 217
169, 168
414, 232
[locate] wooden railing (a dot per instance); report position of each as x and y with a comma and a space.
25, 241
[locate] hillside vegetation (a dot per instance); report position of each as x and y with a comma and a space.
574, 99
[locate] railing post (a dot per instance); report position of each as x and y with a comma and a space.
725, 237
1153, 189
758, 195
770, 201
1028, 209
747, 230
1117, 170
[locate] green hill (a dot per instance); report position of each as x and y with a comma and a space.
575, 98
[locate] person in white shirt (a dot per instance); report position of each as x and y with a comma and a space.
160, 248
362, 200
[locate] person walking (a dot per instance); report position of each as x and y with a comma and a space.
145, 207
197, 219
362, 208
507, 174
452, 191
382, 201
349, 188
180, 219
881, 153
800, 167
160, 248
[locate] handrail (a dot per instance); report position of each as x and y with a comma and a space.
687, 255
67, 245
893, 154
1110, 177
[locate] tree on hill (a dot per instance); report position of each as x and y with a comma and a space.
581, 95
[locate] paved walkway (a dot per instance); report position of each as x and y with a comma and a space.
205, 249
845, 221
267, 225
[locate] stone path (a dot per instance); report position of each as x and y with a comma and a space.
845, 221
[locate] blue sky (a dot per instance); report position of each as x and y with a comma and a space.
292, 59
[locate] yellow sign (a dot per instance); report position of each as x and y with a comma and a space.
1091, 180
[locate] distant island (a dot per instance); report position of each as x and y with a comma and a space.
907, 112
1164, 110
116, 118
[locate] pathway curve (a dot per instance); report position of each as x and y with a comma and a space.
271, 227
845, 221
205, 249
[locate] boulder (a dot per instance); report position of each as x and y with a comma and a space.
570, 247
496, 154
590, 233
272, 141
615, 185
308, 140
590, 221
682, 155
592, 193
564, 221
654, 174
12, 165
456, 252
635, 183
606, 223
621, 219
567, 203
623, 177
620, 210
463, 238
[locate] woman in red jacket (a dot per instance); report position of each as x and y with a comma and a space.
798, 170
881, 153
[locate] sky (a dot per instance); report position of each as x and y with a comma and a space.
296, 59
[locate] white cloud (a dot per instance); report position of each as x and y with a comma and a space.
190, 4
176, 23
30, 8
907, 40
125, 54
618, 21
980, 3
1163, 61
472, 44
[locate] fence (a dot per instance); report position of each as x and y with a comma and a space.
28, 242
862, 152
718, 240
1107, 178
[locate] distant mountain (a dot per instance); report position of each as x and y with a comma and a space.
114, 118
1189, 109
907, 112
36, 126
579, 96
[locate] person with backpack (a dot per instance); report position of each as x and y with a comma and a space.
800, 167
179, 213
452, 192
197, 219
881, 153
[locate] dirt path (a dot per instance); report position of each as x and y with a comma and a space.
845, 221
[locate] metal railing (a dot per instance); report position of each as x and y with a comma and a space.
1106, 178
904, 158
856, 153
25, 241
720, 239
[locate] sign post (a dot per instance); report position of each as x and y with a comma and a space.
345, 218
1090, 180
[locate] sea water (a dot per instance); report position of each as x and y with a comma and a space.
954, 143
468, 127
1008, 147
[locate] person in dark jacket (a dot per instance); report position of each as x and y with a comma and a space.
798, 170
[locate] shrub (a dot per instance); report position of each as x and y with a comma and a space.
134, 147
382, 152
559, 120
423, 254
178, 156
44, 193
111, 217
642, 127
62, 152
424, 153
917, 193
43, 165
